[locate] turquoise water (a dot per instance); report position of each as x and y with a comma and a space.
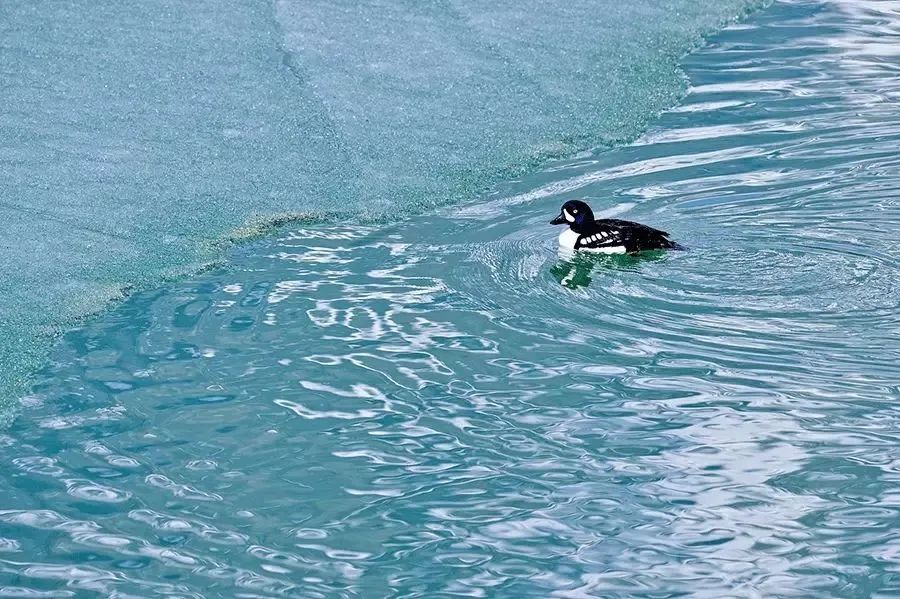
139, 135
442, 406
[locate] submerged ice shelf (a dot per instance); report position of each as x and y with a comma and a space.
137, 135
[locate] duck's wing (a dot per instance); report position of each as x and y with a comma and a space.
634, 237
603, 239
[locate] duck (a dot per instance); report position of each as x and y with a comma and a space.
606, 235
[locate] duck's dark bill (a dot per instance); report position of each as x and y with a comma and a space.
559, 220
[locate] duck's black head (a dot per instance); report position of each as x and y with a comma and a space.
576, 214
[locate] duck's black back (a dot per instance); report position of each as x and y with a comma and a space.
635, 236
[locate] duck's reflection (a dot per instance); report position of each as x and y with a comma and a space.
575, 269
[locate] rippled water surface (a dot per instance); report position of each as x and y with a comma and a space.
443, 407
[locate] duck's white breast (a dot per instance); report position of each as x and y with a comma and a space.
567, 239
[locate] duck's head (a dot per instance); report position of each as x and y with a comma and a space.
574, 213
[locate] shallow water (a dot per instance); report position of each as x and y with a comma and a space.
443, 407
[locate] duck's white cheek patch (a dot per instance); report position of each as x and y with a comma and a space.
568, 216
